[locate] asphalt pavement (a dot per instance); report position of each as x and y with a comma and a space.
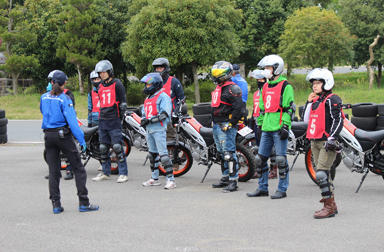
192, 217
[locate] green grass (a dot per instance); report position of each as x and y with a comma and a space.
351, 87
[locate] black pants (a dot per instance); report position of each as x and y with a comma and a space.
53, 145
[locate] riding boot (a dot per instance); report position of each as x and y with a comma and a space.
223, 182
327, 211
333, 205
273, 172
231, 187
321, 201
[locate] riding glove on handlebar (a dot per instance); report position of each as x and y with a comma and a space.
144, 122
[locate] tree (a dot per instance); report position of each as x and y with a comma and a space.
187, 32
315, 37
15, 35
262, 26
365, 20
78, 42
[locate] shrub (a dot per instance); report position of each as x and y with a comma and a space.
135, 95
206, 87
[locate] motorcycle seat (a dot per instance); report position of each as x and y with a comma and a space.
370, 136
206, 132
88, 132
299, 128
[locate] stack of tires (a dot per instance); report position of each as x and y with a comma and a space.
368, 116
3, 127
202, 113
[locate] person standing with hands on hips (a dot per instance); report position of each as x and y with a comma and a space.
227, 110
155, 118
112, 108
59, 123
325, 121
276, 101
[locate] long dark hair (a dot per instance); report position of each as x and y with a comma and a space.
56, 89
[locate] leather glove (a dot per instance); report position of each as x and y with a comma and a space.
284, 132
159, 118
144, 122
83, 148
226, 126
332, 145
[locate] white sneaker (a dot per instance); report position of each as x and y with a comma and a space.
170, 184
151, 182
122, 179
100, 176
100, 168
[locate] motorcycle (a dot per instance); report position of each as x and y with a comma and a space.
199, 140
298, 144
181, 156
362, 150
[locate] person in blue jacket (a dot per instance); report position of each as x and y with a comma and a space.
238, 80
59, 124
155, 117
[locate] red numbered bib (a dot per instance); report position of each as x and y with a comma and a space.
271, 97
316, 123
167, 89
150, 107
216, 95
256, 100
107, 95
95, 101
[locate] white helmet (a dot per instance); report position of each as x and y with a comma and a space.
260, 74
93, 75
272, 60
324, 75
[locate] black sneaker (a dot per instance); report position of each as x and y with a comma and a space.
258, 193
89, 208
57, 208
279, 195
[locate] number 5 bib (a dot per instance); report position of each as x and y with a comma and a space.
316, 123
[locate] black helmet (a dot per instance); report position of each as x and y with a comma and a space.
155, 81
104, 66
163, 62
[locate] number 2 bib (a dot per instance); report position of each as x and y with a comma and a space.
150, 107
316, 123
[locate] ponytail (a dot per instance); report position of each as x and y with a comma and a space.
56, 89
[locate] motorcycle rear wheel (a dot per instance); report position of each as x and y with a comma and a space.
247, 162
311, 167
184, 160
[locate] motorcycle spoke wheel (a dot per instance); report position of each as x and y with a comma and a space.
182, 162
310, 166
246, 161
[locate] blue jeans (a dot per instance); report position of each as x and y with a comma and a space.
157, 143
110, 137
268, 140
226, 141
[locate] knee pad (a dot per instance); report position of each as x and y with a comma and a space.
272, 160
104, 149
118, 149
261, 163
282, 165
153, 160
322, 179
228, 156
167, 163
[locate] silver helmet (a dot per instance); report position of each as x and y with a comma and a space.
272, 60
322, 75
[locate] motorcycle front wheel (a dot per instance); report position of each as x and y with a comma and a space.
181, 159
311, 167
